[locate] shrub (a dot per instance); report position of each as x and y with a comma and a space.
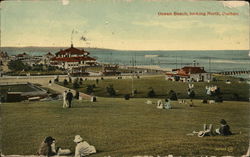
65, 82
218, 99
77, 95
172, 95
235, 96
70, 80
57, 79
89, 89
176, 78
126, 96
151, 93
192, 94
241, 79
110, 90
76, 84
18, 65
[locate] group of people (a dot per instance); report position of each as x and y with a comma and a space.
67, 99
210, 89
48, 148
166, 104
224, 130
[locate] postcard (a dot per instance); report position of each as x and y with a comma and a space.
107, 78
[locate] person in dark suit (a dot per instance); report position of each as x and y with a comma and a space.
46, 147
69, 98
224, 129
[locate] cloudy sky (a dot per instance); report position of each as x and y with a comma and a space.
125, 24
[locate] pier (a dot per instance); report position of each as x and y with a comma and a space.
236, 72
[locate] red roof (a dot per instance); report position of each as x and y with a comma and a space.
191, 70
49, 54
186, 71
72, 50
73, 59
22, 55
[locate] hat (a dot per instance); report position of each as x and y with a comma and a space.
78, 139
223, 122
49, 139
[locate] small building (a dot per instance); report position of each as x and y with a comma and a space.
47, 58
189, 73
72, 58
109, 70
22, 56
79, 71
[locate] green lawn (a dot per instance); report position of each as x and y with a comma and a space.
118, 127
162, 87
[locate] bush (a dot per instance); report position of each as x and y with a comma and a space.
235, 96
126, 96
241, 79
176, 78
65, 82
192, 94
218, 99
57, 79
172, 95
70, 80
77, 95
76, 84
110, 90
89, 89
18, 65
151, 93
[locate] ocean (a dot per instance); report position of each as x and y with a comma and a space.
212, 61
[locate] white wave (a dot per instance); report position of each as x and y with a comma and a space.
230, 61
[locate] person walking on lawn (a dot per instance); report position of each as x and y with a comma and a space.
69, 98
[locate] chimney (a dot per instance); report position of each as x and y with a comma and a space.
194, 63
71, 44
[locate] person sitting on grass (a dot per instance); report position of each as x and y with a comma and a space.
46, 147
191, 104
167, 104
82, 147
224, 129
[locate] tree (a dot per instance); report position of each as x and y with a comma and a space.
18, 65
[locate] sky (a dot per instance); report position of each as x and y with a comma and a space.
125, 24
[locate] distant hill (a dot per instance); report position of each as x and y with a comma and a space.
40, 50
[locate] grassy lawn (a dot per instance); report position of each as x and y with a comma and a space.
124, 128
162, 87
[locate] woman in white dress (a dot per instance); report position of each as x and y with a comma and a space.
65, 103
